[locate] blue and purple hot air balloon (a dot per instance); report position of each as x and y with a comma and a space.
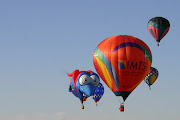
83, 84
98, 93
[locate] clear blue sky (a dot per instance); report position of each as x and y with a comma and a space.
42, 40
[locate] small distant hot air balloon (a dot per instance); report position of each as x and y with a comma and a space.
98, 93
158, 28
151, 76
122, 62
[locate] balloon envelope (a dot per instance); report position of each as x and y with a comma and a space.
98, 92
151, 76
122, 62
158, 27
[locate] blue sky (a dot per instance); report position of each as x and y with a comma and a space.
42, 40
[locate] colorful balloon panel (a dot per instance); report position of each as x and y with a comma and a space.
98, 92
158, 27
122, 62
151, 76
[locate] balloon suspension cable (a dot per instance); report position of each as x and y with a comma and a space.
82, 103
157, 43
121, 104
119, 99
82, 107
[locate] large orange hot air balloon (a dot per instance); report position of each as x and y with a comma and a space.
122, 62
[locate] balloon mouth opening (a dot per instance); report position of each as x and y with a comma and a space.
158, 42
85, 98
96, 101
123, 94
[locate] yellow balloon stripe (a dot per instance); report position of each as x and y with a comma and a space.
153, 79
105, 73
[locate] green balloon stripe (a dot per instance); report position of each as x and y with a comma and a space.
152, 33
147, 52
99, 55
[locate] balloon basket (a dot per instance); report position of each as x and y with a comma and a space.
121, 109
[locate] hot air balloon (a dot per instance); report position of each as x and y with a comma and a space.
122, 62
151, 76
83, 84
98, 93
158, 28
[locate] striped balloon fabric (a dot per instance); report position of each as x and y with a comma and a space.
158, 27
151, 76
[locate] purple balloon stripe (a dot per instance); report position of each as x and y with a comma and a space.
127, 44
